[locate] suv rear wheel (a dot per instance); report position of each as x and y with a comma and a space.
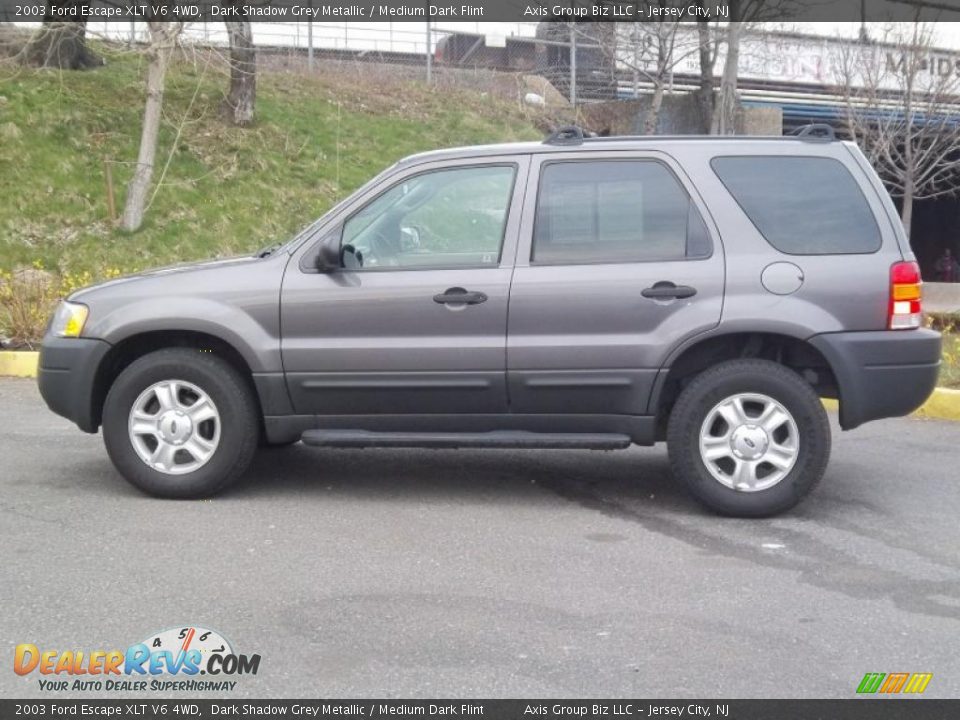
179, 423
750, 438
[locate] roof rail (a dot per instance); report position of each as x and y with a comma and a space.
567, 135
816, 131
573, 135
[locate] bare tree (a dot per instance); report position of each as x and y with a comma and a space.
725, 109
707, 52
666, 48
163, 41
238, 106
901, 102
650, 50
61, 42
741, 14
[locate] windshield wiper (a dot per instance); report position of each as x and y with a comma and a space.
268, 250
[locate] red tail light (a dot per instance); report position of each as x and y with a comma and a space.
904, 311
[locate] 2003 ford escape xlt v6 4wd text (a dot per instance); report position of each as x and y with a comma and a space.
576, 293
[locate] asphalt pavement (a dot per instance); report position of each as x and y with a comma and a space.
489, 573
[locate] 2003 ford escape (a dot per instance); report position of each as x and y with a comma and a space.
579, 293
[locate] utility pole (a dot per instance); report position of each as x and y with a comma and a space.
429, 56
310, 39
573, 66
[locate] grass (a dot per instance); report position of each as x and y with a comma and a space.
949, 326
226, 190
950, 368
220, 190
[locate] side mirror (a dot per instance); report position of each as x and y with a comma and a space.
328, 259
351, 258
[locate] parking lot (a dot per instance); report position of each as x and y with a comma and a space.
389, 573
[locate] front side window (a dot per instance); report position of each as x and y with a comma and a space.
614, 211
801, 205
444, 218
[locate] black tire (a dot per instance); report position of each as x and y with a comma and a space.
764, 377
234, 400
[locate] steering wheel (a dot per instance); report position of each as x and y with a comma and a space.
384, 249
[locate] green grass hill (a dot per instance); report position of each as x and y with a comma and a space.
222, 190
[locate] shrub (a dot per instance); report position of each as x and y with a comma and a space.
28, 296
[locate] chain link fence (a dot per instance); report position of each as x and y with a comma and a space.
547, 63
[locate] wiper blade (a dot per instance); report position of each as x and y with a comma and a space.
268, 250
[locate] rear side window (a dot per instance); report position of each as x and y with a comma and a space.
614, 211
802, 206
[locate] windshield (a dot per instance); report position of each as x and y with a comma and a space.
310, 230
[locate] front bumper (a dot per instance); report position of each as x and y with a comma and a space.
67, 377
887, 373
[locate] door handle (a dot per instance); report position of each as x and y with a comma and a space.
459, 296
665, 290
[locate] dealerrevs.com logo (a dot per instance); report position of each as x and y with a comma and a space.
171, 660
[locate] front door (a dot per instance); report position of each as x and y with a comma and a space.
415, 321
616, 266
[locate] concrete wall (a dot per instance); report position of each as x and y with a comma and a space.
678, 116
941, 297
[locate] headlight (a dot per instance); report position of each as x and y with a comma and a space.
68, 319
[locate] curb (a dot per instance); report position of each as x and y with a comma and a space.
943, 404
17, 363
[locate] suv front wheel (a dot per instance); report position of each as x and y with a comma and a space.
749, 438
180, 423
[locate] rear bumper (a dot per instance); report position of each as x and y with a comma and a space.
66, 376
881, 374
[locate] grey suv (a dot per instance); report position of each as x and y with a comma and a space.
576, 293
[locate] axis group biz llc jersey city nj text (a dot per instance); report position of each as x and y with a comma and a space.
628, 11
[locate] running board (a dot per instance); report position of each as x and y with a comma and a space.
495, 439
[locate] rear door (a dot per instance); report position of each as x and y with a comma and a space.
618, 262
417, 322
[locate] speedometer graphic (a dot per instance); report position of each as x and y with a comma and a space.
194, 637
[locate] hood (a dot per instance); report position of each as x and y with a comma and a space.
179, 269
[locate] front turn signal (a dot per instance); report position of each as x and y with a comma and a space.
69, 319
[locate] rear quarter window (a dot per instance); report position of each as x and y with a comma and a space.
801, 205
